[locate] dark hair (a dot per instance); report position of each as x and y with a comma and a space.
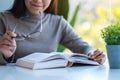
19, 8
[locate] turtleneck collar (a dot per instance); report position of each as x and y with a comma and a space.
28, 14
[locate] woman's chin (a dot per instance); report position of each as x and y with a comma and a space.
36, 12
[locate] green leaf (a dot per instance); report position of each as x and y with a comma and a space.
60, 48
111, 34
63, 8
74, 18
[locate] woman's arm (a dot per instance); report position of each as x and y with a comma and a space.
75, 43
7, 45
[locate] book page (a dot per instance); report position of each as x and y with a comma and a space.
41, 57
80, 56
83, 59
36, 57
64, 54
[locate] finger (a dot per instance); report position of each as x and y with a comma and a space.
96, 53
12, 49
8, 45
11, 34
8, 48
101, 61
7, 51
100, 57
5, 47
7, 37
6, 42
6, 34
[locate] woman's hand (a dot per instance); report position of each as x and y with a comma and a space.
98, 56
8, 44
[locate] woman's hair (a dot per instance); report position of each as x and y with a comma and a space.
19, 8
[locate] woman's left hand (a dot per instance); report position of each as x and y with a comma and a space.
98, 56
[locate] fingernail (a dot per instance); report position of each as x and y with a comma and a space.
92, 56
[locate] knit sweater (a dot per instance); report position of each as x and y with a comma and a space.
55, 30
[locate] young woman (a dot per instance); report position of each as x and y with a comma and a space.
33, 26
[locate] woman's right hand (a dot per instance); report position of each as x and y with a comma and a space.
8, 44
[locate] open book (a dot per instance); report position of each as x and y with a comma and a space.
53, 60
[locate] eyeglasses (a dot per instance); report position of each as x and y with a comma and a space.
30, 35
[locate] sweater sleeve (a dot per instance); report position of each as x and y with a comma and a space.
2, 30
2, 25
2, 59
73, 41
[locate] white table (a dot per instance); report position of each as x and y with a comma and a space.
11, 72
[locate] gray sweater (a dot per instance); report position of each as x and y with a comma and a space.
56, 30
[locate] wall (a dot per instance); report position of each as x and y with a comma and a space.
5, 4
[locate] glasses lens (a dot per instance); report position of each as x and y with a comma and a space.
32, 35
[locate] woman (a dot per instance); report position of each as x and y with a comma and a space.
33, 26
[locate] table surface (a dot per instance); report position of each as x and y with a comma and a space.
11, 72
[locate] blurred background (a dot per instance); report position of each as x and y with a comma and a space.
87, 17
91, 17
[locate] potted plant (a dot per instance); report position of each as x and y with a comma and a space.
111, 35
